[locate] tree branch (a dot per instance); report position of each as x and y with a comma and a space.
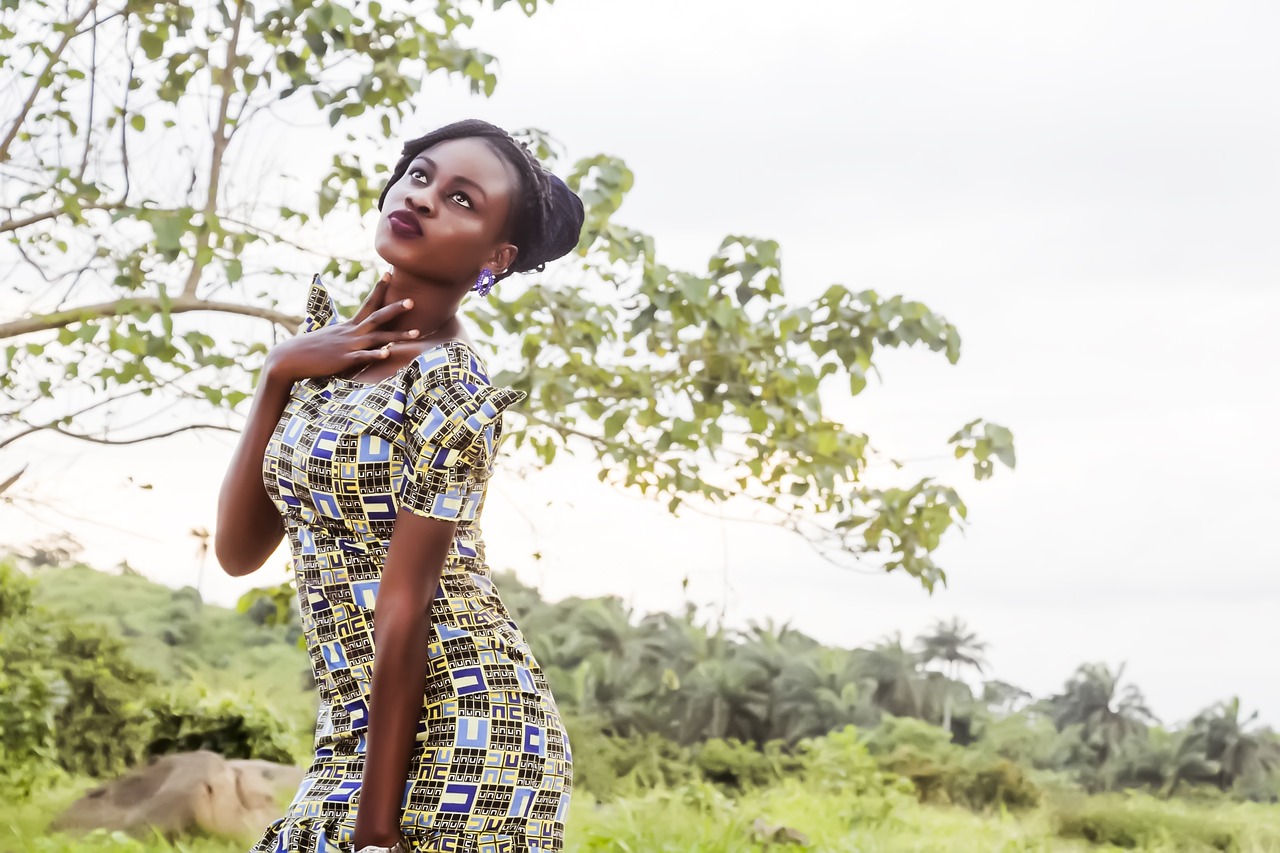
16, 224
93, 90
264, 233
141, 439
33, 428
54, 56
181, 305
221, 138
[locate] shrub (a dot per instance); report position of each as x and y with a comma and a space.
104, 723
232, 726
70, 697
944, 773
607, 766
738, 766
1140, 822
986, 782
839, 763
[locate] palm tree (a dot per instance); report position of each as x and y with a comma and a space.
957, 646
892, 672
818, 693
1228, 741
1108, 714
201, 536
724, 697
1004, 698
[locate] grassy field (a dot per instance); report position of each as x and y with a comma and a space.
840, 802
698, 819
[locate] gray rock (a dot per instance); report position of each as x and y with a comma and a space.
186, 792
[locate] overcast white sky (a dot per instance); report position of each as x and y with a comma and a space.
1089, 190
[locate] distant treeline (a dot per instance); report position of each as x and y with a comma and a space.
654, 695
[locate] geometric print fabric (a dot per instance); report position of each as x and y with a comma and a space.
492, 771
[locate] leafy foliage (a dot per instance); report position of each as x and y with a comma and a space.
942, 772
167, 285
70, 696
1107, 714
664, 699
74, 699
1139, 823
233, 726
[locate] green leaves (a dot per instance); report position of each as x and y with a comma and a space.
691, 386
986, 443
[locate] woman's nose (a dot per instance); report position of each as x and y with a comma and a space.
421, 200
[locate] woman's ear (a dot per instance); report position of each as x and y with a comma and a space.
502, 258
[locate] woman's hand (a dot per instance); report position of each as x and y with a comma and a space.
342, 346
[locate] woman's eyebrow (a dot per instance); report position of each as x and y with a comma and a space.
462, 179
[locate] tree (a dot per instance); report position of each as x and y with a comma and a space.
156, 268
1229, 741
1004, 698
954, 644
893, 674
1108, 714
70, 695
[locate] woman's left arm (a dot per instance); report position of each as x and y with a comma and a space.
402, 629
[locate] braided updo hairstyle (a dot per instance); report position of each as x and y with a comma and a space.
546, 216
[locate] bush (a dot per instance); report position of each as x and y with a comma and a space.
607, 766
70, 697
232, 726
944, 773
737, 766
839, 763
1141, 822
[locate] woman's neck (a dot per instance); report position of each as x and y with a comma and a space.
435, 308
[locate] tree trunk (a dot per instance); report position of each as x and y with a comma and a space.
946, 702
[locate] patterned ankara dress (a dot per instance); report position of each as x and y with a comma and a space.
491, 772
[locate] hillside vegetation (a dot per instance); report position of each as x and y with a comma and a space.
687, 736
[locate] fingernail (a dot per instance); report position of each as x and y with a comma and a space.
413, 333
408, 303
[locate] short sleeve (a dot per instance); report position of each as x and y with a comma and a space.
321, 310
452, 420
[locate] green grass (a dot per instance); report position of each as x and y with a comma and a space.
698, 819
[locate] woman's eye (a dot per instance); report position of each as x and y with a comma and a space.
415, 172
463, 200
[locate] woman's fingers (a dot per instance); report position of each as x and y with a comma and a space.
362, 356
383, 338
385, 314
374, 300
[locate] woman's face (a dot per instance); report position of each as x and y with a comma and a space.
444, 220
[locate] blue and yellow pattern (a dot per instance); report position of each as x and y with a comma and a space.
493, 769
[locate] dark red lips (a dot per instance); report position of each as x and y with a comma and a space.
404, 223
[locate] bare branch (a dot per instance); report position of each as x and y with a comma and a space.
124, 125
600, 442
265, 233
15, 224
93, 90
11, 479
139, 440
221, 138
181, 305
68, 34
33, 428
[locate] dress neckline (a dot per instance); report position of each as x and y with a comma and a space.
442, 345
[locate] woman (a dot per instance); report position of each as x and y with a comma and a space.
369, 445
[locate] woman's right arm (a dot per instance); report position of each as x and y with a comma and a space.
249, 526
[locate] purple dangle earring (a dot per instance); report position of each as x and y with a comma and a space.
485, 282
